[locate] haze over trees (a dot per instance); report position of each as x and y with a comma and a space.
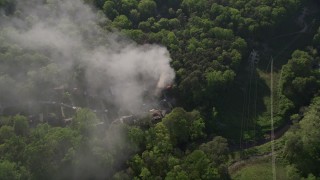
78, 80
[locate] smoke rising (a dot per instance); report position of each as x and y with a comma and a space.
48, 47
111, 66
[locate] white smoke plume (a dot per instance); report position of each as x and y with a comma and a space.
68, 32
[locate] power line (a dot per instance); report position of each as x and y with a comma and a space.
243, 112
255, 108
272, 127
245, 105
255, 61
248, 101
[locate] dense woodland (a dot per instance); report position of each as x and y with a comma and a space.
222, 99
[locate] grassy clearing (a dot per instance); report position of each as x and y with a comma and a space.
255, 162
263, 120
258, 151
260, 169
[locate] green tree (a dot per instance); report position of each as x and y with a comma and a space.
134, 16
128, 5
302, 146
218, 80
136, 136
194, 6
159, 138
299, 81
184, 126
48, 154
6, 132
11, 171
122, 22
136, 34
147, 8
310, 135
109, 8
145, 26
145, 174
293, 173
177, 173
13, 149
178, 126
84, 121
221, 33
197, 165
21, 126
217, 150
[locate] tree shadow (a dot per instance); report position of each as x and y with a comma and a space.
239, 107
